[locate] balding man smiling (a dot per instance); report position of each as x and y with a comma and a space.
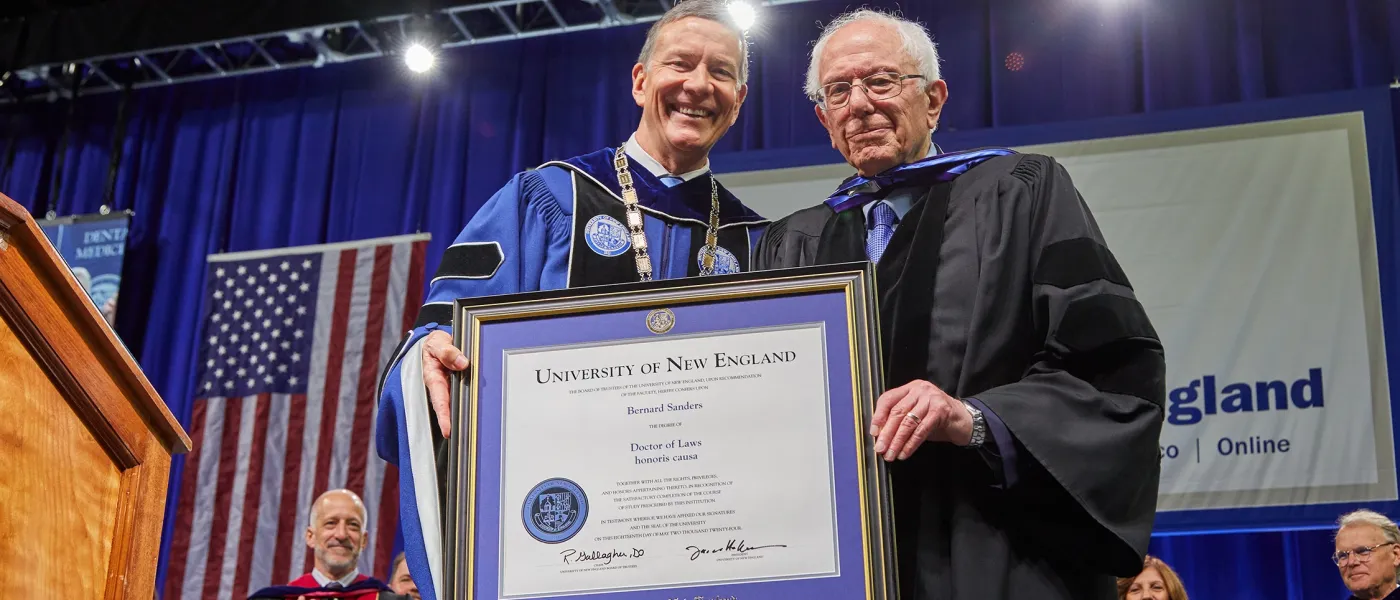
336, 533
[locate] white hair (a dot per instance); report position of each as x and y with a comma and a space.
1372, 518
918, 45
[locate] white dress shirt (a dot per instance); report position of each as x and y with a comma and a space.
635, 152
324, 579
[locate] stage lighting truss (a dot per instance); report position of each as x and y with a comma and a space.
476, 23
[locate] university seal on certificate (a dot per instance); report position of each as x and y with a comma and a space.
555, 510
661, 320
617, 442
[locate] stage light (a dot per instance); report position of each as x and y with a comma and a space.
743, 13
419, 58
1015, 61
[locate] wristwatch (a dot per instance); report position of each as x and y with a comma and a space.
979, 426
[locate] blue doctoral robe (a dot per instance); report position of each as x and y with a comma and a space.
559, 225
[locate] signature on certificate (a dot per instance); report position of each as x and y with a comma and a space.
604, 557
735, 546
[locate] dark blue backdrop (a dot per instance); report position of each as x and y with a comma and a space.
362, 150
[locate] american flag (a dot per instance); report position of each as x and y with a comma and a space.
293, 343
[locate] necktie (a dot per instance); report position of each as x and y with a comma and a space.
882, 222
671, 180
334, 585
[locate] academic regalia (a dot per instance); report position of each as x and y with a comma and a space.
1393, 595
560, 225
997, 286
362, 588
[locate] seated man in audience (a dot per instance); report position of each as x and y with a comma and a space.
400, 581
336, 536
1367, 556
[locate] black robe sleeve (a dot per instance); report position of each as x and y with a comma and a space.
1087, 413
792, 241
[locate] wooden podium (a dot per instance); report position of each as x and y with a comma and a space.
85, 442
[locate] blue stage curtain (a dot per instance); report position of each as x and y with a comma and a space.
366, 149
1254, 566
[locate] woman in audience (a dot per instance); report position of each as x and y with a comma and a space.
1157, 581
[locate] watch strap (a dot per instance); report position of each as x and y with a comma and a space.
979, 426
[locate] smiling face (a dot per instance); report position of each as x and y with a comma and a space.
337, 532
875, 135
689, 92
1374, 572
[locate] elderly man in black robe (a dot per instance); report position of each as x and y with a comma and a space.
1026, 382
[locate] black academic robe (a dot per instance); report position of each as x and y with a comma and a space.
1393, 595
998, 285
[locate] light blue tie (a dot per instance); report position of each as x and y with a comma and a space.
671, 180
882, 222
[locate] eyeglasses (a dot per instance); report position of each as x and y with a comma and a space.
879, 86
1362, 554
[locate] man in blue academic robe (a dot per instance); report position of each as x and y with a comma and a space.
647, 210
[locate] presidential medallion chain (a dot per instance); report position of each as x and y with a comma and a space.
638, 232
707, 264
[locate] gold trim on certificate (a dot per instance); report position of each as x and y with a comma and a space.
855, 282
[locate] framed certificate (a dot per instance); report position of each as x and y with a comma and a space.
682, 439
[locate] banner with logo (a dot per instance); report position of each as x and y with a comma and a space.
94, 247
1254, 251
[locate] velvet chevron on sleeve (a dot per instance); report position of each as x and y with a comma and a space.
554, 227
998, 287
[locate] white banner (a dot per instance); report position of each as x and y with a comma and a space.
1253, 251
